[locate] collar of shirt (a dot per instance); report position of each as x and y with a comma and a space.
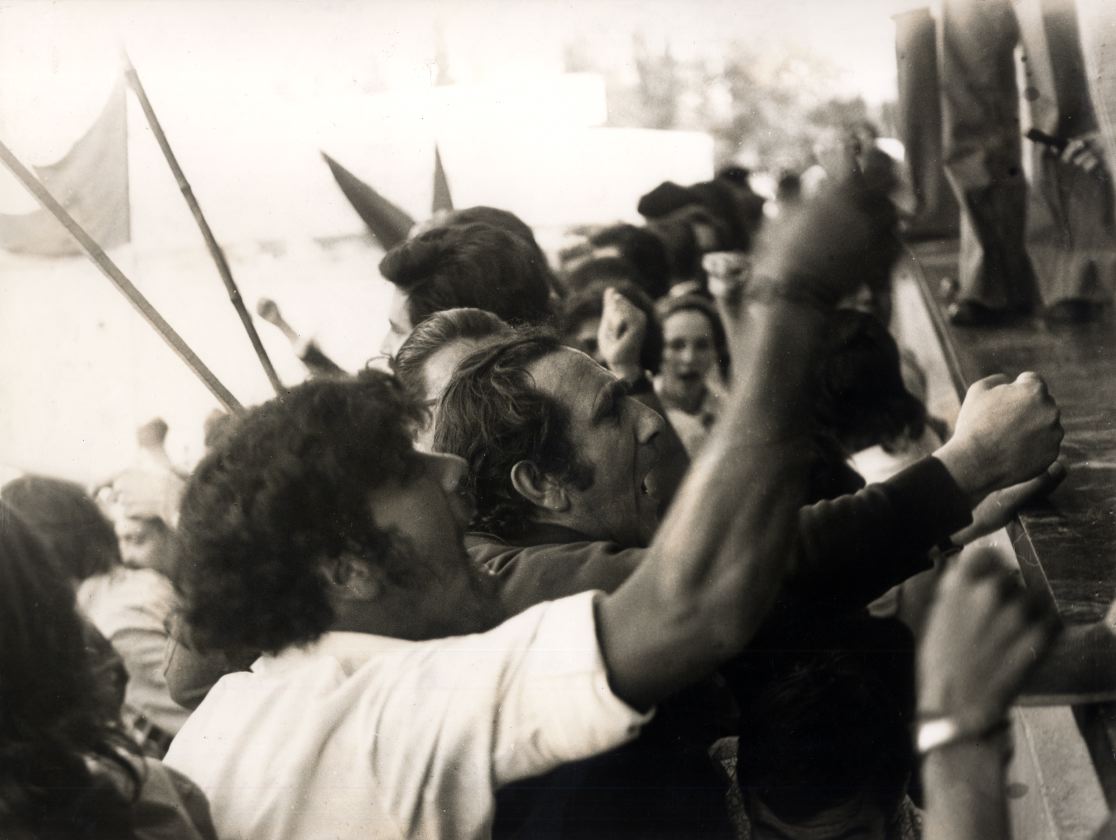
350, 650
539, 534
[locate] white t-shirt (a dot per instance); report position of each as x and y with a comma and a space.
375, 737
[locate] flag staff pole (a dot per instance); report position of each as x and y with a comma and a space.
207, 234
110, 270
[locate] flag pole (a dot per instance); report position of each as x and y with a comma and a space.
110, 270
207, 234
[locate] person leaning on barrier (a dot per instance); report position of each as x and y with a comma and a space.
318, 535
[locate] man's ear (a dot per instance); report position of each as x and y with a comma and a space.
538, 488
352, 579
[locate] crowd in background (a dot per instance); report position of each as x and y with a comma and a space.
630, 477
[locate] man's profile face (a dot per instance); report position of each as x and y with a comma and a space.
399, 323
428, 514
616, 436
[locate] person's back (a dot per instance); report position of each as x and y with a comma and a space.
405, 739
67, 768
128, 605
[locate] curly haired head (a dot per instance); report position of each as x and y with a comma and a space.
493, 416
77, 533
285, 491
475, 265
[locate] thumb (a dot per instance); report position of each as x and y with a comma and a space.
1034, 488
988, 383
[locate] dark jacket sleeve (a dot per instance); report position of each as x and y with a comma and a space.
532, 574
854, 548
317, 362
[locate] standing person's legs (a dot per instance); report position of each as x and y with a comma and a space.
1071, 236
981, 132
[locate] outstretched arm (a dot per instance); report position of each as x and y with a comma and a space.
720, 557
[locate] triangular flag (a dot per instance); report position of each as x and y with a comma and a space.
90, 181
443, 201
388, 223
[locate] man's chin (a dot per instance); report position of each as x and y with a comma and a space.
649, 523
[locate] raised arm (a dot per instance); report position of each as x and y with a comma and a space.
984, 636
720, 557
1003, 452
620, 337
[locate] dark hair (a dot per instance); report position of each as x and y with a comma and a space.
681, 246
508, 221
51, 719
494, 216
588, 303
862, 399
826, 718
77, 534
217, 426
644, 251
493, 416
285, 491
788, 187
704, 306
436, 332
472, 265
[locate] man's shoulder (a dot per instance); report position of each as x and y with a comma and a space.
494, 553
545, 571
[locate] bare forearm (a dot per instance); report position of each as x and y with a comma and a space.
720, 557
964, 785
748, 470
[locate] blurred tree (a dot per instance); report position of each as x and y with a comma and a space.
762, 109
660, 84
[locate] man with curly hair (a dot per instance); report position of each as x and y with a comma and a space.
394, 696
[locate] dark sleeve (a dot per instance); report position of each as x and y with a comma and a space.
854, 548
317, 362
531, 575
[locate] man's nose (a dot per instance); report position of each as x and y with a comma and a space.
388, 345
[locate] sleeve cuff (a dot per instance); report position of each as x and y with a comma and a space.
929, 503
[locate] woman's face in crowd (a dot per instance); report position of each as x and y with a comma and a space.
688, 351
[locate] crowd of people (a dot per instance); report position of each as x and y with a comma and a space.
597, 558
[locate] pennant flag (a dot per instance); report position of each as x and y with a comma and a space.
388, 223
90, 181
442, 199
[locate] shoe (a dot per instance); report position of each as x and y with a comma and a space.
1072, 311
969, 313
